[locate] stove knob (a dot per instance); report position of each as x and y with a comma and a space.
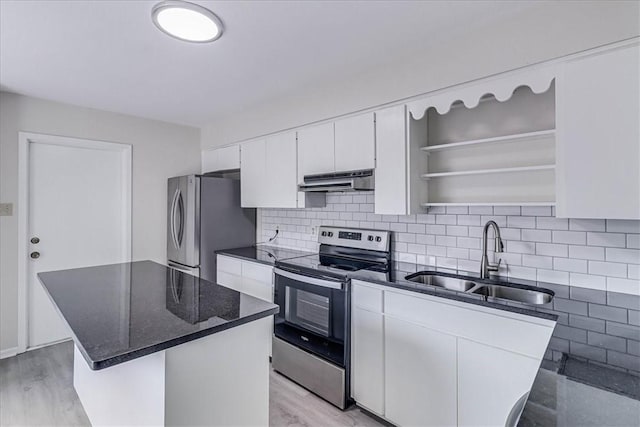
370, 238
324, 233
378, 239
330, 234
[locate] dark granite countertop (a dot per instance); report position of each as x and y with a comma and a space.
399, 270
263, 254
120, 312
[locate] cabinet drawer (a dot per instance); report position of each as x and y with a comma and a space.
492, 329
367, 297
229, 265
257, 288
229, 280
256, 271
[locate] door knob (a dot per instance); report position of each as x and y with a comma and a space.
35, 240
35, 255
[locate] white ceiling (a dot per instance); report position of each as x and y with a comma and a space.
108, 54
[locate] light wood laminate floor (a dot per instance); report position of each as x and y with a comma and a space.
36, 388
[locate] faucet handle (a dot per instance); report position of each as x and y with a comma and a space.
494, 267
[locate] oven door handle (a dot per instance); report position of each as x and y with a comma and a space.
310, 280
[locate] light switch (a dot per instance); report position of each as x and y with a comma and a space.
6, 209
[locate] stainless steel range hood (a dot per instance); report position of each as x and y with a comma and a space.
361, 180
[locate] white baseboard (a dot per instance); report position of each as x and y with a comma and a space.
9, 352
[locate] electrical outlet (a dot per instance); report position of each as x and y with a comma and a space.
6, 209
278, 228
313, 231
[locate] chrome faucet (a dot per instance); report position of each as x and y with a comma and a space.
485, 267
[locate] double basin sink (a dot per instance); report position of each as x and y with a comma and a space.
523, 294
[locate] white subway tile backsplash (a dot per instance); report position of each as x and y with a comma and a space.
608, 269
553, 276
469, 220
446, 219
458, 210
457, 230
629, 256
587, 224
552, 249
416, 228
585, 253
481, 210
625, 286
537, 261
588, 281
446, 241
521, 221
606, 239
568, 264
623, 226
536, 210
506, 210
536, 236
633, 241
521, 247
552, 223
572, 237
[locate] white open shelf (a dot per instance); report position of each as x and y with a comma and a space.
504, 154
488, 171
505, 138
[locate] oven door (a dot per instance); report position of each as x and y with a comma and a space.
313, 313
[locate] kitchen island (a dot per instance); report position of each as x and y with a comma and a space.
155, 346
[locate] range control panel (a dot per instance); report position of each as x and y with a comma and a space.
376, 240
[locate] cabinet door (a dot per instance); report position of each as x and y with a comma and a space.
228, 157
391, 161
209, 161
367, 369
281, 171
354, 141
491, 384
315, 150
598, 131
420, 375
253, 185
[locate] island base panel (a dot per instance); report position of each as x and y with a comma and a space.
218, 380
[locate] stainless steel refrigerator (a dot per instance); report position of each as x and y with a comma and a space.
204, 216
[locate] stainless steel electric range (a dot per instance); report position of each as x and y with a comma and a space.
311, 335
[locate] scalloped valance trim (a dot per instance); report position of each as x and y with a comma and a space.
502, 88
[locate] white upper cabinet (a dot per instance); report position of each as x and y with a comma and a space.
268, 172
281, 177
354, 143
598, 128
391, 161
316, 150
218, 159
253, 169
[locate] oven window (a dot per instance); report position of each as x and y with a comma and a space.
308, 310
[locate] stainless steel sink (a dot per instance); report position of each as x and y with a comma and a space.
525, 296
446, 282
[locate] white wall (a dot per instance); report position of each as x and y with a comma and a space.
550, 30
160, 150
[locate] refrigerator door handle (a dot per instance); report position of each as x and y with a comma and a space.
177, 230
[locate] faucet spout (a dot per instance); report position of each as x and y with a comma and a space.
485, 266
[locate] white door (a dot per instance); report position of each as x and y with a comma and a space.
253, 182
420, 375
391, 161
281, 171
367, 372
79, 209
354, 142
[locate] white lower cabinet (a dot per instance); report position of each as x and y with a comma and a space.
420, 375
493, 384
421, 360
251, 278
367, 361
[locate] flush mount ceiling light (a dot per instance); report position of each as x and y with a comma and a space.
186, 21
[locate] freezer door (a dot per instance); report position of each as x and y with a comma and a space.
183, 220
